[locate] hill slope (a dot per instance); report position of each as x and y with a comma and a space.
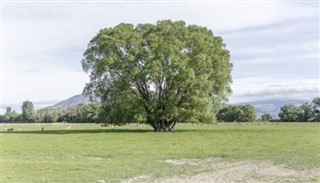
271, 106
74, 100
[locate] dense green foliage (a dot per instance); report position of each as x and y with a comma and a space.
289, 113
9, 116
86, 153
159, 73
47, 115
304, 113
316, 109
237, 113
266, 117
27, 111
82, 114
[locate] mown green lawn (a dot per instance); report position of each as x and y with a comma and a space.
86, 153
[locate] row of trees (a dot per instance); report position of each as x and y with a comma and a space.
90, 113
303, 113
307, 112
94, 113
27, 114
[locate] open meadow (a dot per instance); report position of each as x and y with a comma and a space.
250, 152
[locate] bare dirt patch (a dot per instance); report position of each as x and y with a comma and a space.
243, 171
221, 171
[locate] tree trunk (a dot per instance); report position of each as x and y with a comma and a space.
162, 125
173, 125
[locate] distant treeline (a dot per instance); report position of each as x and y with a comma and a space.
95, 113
307, 112
81, 113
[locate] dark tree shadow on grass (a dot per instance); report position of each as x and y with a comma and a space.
179, 129
90, 131
82, 131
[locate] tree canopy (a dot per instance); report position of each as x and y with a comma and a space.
27, 111
237, 113
158, 73
266, 117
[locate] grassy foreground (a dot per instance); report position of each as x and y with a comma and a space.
86, 153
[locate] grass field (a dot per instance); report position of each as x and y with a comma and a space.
86, 153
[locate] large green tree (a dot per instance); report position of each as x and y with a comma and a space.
160, 73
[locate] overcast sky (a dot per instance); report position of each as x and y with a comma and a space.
274, 46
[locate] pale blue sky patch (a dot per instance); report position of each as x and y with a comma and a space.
274, 46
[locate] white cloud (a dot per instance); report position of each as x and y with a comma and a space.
43, 42
256, 89
49, 84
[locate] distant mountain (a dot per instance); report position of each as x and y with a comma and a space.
77, 99
74, 100
271, 106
